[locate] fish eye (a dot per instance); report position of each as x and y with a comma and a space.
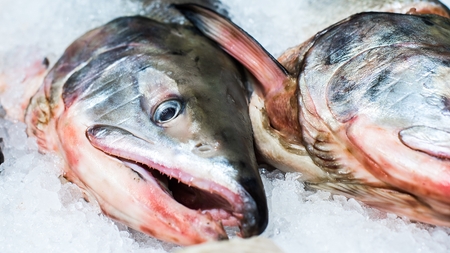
167, 111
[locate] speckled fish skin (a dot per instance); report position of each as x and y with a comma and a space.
97, 109
381, 91
360, 109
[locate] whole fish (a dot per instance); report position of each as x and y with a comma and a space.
152, 122
361, 109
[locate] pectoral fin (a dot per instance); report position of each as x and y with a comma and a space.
238, 44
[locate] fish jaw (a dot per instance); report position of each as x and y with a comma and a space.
123, 195
128, 192
125, 146
421, 174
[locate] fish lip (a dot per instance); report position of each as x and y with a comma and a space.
232, 187
237, 202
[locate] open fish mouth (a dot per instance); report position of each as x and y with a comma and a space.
207, 197
132, 107
200, 200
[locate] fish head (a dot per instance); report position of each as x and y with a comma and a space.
396, 114
381, 92
372, 104
157, 131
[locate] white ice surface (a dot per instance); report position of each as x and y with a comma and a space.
39, 214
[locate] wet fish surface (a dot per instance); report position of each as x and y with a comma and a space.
152, 122
360, 109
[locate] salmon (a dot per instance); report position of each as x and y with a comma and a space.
151, 120
360, 109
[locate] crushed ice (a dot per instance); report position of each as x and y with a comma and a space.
40, 214
321, 222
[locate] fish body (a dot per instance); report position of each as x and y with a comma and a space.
360, 109
152, 122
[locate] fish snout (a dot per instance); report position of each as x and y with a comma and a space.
256, 214
241, 167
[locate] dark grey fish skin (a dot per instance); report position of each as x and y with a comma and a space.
98, 108
392, 70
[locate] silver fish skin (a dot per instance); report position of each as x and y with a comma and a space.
360, 109
152, 122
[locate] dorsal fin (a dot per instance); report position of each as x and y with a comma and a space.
269, 72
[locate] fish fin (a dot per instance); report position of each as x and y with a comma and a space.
388, 200
37, 118
238, 44
432, 141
